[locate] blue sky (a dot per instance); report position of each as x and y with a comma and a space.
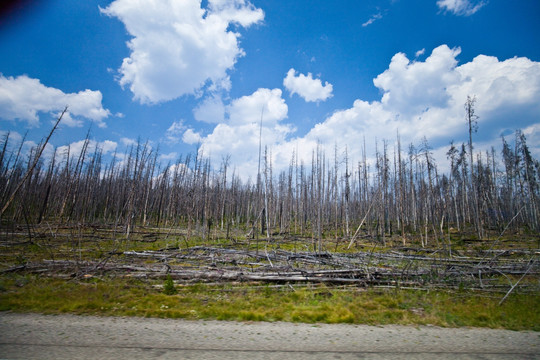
185, 72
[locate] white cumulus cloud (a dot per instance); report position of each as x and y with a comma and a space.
426, 98
409, 87
307, 87
239, 135
460, 7
23, 98
418, 99
265, 103
191, 137
177, 47
211, 110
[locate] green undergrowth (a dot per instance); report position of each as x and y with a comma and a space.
259, 302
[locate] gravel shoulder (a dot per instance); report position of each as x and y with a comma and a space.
35, 336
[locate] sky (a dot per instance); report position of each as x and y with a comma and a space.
214, 75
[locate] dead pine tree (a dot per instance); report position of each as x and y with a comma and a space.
31, 168
400, 190
472, 123
347, 193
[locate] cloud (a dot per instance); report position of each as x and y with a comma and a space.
236, 11
108, 146
75, 149
173, 135
372, 19
14, 136
239, 135
264, 103
418, 99
16, 142
172, 156
240, 126
309, 89
191, 137
128, 142
211, 110
23, 98
460, 7
426, 98
532, 134
409, 87
177, 47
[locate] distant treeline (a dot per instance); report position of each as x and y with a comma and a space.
402, 193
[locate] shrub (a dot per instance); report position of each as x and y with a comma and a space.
168, 286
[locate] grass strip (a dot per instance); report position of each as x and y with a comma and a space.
247, 302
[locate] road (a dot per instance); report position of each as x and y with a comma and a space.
33, 336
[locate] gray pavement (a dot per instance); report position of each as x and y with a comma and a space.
34, 336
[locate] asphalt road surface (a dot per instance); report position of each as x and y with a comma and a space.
32, 336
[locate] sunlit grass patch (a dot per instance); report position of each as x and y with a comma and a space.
255, 302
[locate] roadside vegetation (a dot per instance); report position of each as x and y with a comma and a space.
255, 302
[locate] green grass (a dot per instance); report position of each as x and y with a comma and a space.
255, 302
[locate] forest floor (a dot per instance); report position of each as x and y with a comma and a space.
168, 272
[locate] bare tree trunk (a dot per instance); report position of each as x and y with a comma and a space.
31, 168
